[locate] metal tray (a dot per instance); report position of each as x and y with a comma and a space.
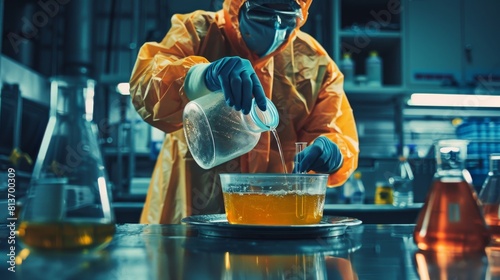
216, 225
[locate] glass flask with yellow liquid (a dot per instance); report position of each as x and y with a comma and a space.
450, 219
67, 207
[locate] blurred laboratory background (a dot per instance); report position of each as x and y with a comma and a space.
393, 53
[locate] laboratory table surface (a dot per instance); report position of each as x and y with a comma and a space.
138, 251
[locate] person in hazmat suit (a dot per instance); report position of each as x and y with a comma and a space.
250, 49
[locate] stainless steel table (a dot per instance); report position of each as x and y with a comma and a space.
178, 252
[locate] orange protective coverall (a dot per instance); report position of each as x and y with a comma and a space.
299, 77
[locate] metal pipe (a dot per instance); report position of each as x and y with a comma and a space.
133, 53
1, 42
27, 49
19, 116
78, 39
1, 25
399, 124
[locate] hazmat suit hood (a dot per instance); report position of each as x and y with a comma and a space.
231, 9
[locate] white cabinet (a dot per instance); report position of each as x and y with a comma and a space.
451, 42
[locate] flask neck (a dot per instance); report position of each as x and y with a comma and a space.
72, 98
453, 166
451, 156
452, 169
495, 164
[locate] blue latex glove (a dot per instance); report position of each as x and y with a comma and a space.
237, 80
322, 156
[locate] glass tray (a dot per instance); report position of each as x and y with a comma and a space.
216, 225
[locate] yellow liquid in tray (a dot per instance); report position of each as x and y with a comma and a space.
66, 236
273, 209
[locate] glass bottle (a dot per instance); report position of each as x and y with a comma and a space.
450, 219
374, 69
358, 189
402, 184
347, 68
490, 198
346, 191
383, 193
68, 207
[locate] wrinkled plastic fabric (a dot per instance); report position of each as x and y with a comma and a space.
299, 77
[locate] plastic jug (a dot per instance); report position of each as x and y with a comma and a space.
217, 133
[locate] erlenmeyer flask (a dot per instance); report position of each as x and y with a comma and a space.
67, 207
490, 198
451, 219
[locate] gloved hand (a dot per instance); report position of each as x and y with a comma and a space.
237, 79
321, 156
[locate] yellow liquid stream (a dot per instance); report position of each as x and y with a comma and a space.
278, 143
66, 236
273, 209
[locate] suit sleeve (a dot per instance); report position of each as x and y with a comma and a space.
333, 117
157, 79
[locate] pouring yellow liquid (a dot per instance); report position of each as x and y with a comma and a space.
280, 150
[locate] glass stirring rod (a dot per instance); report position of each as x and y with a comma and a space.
299, 147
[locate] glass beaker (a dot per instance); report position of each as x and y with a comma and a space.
490, 198
450, 219
216, 133
68, 207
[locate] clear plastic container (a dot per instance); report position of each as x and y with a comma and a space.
274, 199
450, 219
217, 133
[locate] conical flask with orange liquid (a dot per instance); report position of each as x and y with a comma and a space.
451, 220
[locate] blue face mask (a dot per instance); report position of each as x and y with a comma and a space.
264, 29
